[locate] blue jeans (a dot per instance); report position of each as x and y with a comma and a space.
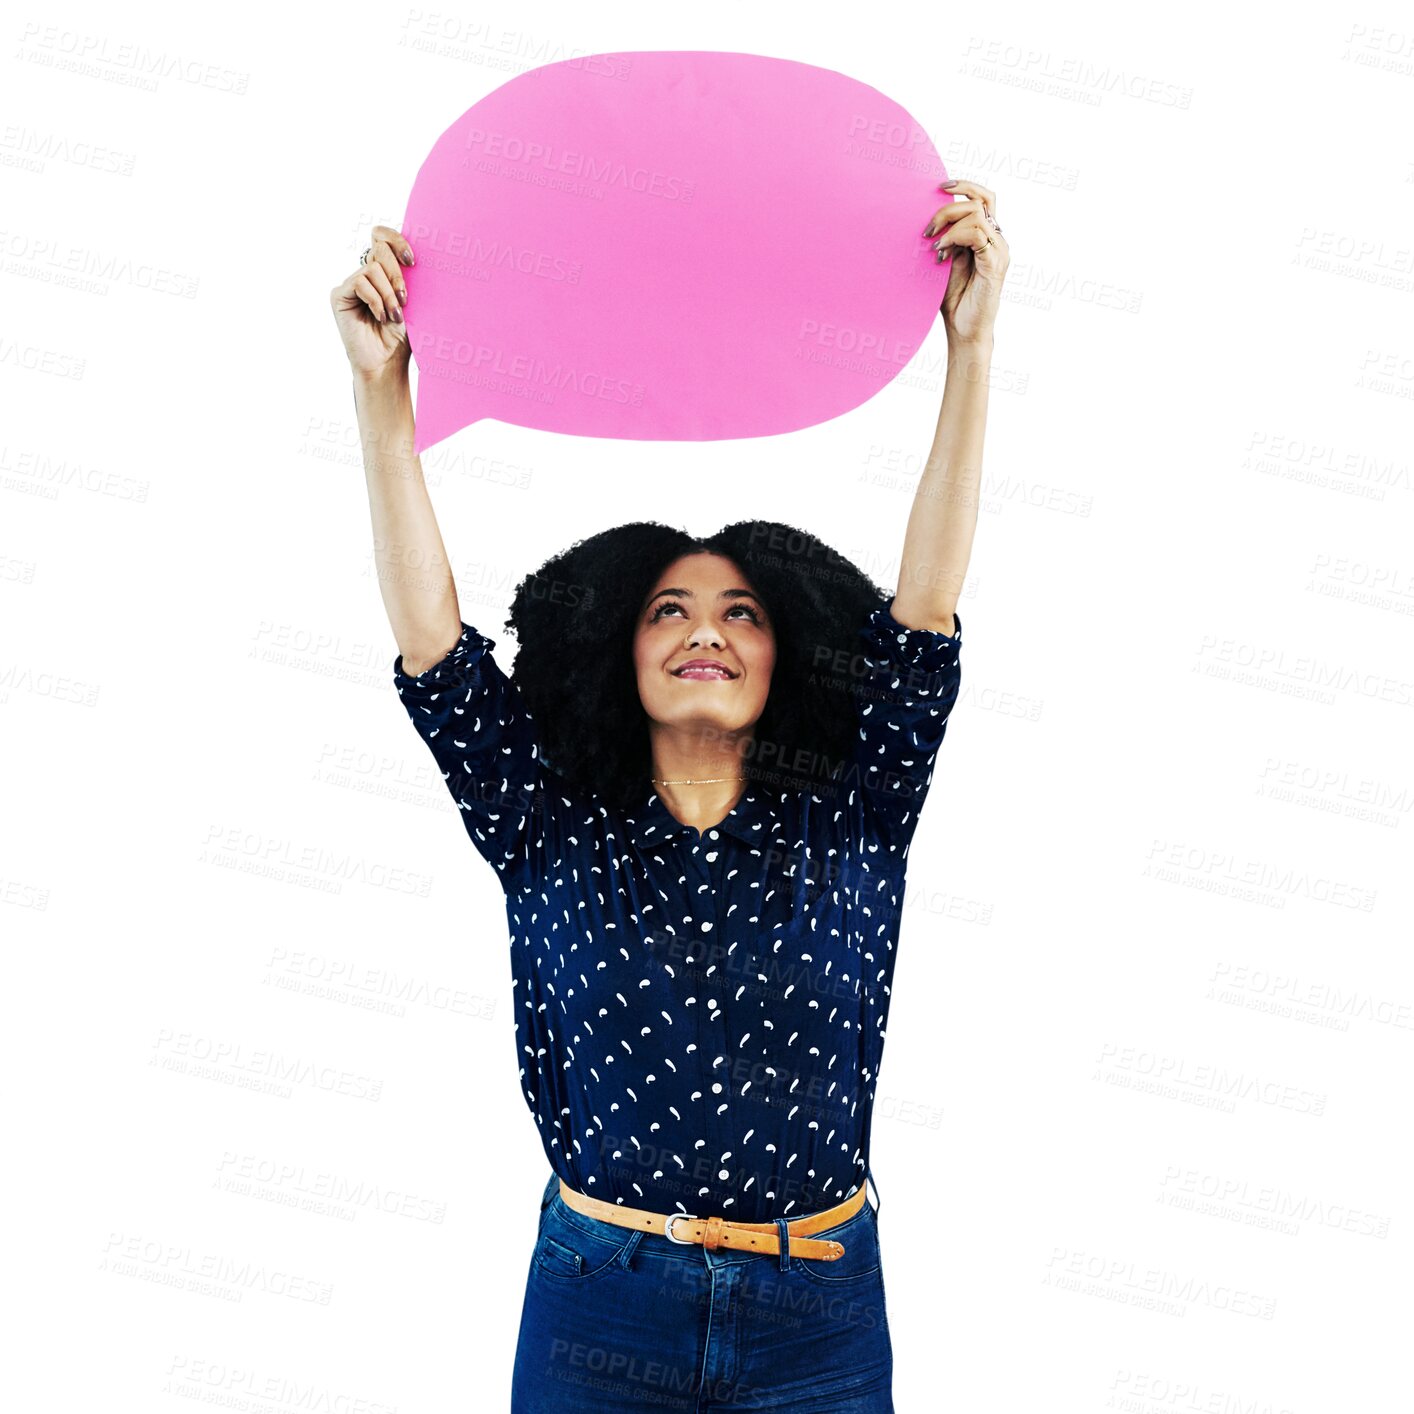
618, 1320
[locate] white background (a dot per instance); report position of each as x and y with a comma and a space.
1142, 1118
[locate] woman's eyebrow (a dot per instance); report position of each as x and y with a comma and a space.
725, 594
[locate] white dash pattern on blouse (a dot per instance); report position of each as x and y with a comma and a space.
699, 1016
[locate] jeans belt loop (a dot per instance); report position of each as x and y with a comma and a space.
783, 1227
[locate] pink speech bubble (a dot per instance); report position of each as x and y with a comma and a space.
672, 246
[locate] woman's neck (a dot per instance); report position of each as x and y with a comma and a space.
700, 788
701, 806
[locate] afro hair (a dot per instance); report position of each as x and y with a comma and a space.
576, 616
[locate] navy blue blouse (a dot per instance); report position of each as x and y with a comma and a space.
700, 1015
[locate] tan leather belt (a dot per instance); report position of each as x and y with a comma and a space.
717, 1232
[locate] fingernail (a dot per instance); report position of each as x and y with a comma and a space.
407, 257
951, 182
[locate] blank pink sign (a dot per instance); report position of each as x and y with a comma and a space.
671, 246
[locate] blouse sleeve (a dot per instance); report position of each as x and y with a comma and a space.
903, 698
484, 742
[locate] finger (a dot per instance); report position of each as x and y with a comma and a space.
365, 289
953, 211
383, 257
397, 240
961, 186
980, 240
969, 232
378, 277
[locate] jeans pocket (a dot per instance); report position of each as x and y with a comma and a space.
860, 1264
557, 1259
567, 1251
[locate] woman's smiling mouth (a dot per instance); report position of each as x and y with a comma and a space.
704, 670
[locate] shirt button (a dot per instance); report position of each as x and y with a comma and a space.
717, 1087
722, 1173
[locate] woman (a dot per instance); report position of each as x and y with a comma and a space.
698, 792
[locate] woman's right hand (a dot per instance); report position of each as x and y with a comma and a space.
368, 306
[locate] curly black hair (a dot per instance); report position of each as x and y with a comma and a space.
575, 618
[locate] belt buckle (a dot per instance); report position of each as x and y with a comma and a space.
668, 1228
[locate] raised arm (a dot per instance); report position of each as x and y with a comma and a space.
414, 575
464, 706
937, 543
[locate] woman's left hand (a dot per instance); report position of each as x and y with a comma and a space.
979, 260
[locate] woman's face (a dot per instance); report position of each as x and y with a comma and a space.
704, 610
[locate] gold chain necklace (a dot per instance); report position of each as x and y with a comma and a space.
715, 780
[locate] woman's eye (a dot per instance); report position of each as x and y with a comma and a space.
673, 604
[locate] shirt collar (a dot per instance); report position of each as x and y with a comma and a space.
754, 820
